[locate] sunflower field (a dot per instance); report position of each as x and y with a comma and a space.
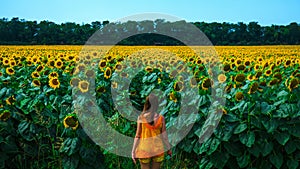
40, 128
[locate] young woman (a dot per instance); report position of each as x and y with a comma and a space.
151, 138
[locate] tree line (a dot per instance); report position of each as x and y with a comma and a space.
22, 32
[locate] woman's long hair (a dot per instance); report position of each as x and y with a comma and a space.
151, 105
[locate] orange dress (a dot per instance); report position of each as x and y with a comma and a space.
151, 143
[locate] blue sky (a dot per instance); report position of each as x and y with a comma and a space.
265, 12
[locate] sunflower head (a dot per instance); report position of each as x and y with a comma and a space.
39, 68
114, 85
226, 67
5, 115
100, 89
59, 63
53, 75
273, 82
10, 70
10, 100
241, 67
268, 72
71, 121
89, 73
251, 77
149, 69
240, 78
35, 74
253, 88
102, 64
107, 73
294, 82
54, 83
178, 86
173, 97
224, 111
221, 78
118, 67
278, 75
74, 82
36, 83
239, 96
83, 86
206, 83
258, 74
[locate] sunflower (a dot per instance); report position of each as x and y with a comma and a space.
253, 88
241, 67
198, 61
251, 77
80, 68
278, 75
5, 62
102, 64
239, 96
226, 67
232, 66
133, 92
36, 83
293, 84
238, 62
107, 73
273, 81
35, 74
1, 74
89, 57
257, 67
5, 115
206, 84
50, 63
114, 85
178, 86
46, 72
54, 83
268, 72
90, 73
39, 68
148, 69
173, 97
10, 70
173, 74
224, 111
71, 121
221, 78
53, 75
10, 100
240, 78
263, 83
228, 88
180, 67
118, 67
59, 64
74, 82
287, 63
201, 68
12, 63
100, 89
124, 74
258, 74
158, 80
83, 86
247, 63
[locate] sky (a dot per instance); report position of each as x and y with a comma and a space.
265, 12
